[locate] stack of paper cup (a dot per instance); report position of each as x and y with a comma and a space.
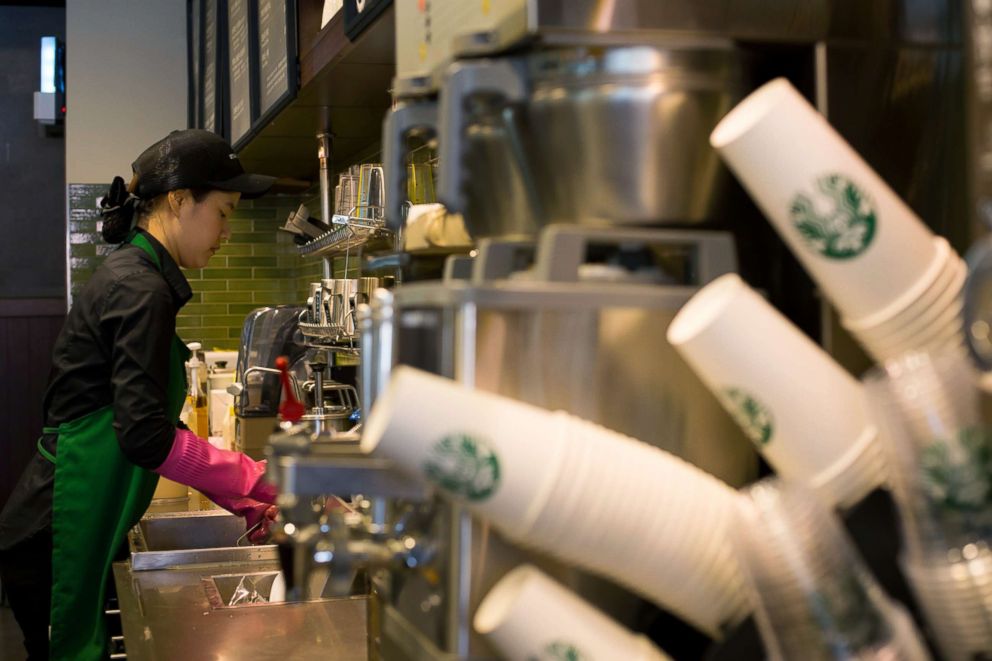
601, 500
527, 615
805, 414
498, 454
929, 317
894, 283
647, 520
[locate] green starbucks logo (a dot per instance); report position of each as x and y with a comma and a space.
957, 477
463, 465
753, 416
846, 229
559, 651
844, 606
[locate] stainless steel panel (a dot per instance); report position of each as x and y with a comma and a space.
167, 615
623, 137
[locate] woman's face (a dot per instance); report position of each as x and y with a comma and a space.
203, 226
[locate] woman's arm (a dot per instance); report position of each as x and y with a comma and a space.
139, 320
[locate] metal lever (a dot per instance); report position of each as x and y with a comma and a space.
465, 79
399, 122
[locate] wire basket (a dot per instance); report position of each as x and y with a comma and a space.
348, 232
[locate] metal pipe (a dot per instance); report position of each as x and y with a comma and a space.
324, 156
460, 569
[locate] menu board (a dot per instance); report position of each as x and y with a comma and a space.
276, 54
210, 51
239, 60
194, 36
242, 64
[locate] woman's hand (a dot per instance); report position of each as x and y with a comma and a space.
258, 522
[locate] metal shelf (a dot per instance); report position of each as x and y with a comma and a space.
349, 232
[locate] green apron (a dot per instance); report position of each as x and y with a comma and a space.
98, 496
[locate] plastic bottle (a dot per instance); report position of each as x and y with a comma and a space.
198, 419
228, 429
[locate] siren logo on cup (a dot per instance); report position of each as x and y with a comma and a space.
957, 476
463, 465
753, 416
843, 604
837, 220
559, 651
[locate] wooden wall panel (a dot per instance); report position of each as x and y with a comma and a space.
28, 328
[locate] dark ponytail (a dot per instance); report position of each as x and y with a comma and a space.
119, 209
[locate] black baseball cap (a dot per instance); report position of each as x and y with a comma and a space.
194, 158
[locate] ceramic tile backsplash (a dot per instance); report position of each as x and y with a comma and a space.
258, 267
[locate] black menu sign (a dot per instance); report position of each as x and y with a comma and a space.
210, 50
194, 30
276, 53
240, 69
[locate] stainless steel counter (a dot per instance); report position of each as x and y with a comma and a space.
168, 615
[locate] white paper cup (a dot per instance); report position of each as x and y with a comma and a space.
646, 519
803, 411
945, 329
855, 474
601, 500
861, 243
943, 325
497, 454
527, 615
915, 321
929, 289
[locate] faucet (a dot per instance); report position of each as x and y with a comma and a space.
324, 541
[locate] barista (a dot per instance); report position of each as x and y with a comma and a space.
114, 395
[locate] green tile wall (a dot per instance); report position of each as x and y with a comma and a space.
259, 266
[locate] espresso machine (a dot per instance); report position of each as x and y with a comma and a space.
572, 138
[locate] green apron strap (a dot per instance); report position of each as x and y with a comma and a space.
97, 497
41, 449
142, 242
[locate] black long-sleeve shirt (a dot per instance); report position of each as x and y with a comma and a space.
113, 350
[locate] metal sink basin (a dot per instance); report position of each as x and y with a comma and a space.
176, 539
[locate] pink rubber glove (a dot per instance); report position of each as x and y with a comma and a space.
252, 511
266, 514
220, 474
